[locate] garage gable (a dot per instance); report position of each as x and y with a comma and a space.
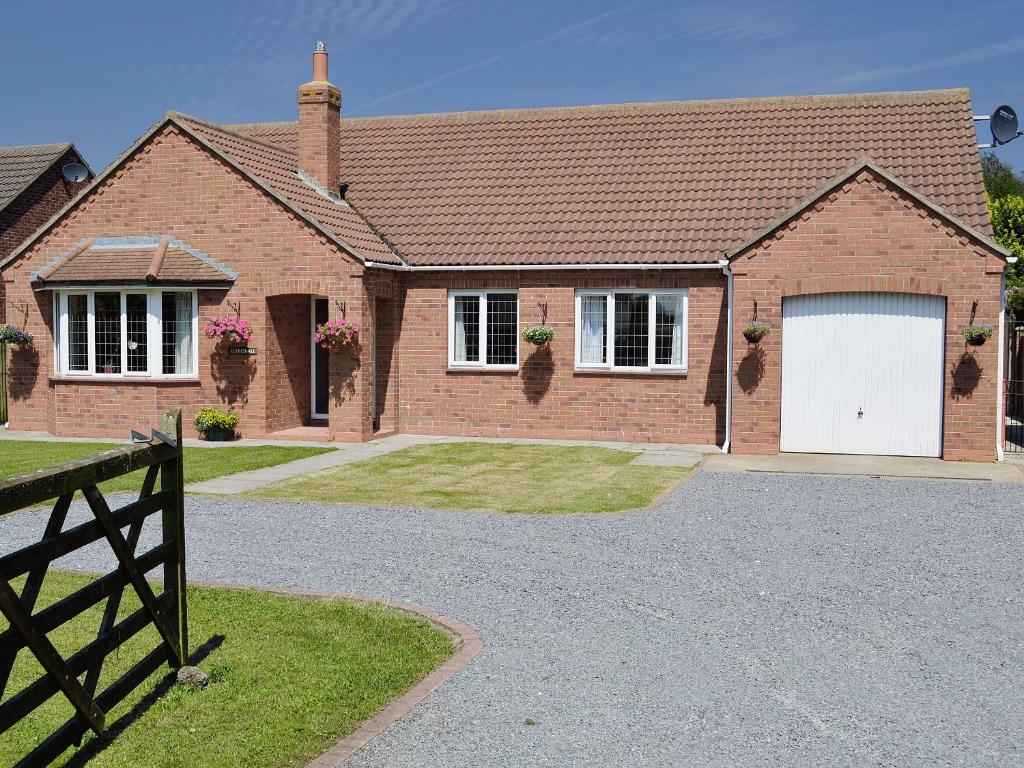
893, 200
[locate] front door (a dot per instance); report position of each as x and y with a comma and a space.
320, 362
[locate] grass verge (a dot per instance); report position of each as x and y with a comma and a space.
289, 676
20, 456
488, 477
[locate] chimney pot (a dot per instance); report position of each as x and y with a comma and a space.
320, 63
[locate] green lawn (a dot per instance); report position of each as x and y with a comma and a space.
488, 477
19, 456
288, 677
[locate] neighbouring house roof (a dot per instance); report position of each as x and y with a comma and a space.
637, 183
20, 166
144, 260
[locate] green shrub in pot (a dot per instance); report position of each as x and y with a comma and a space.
214, 424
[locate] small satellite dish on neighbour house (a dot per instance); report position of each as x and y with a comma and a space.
74, 172
1003, 124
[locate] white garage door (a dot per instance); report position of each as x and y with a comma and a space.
862, 373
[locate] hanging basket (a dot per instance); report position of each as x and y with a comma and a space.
976, 335
228, 330
754, 332
336, 334
539, 335
16, 337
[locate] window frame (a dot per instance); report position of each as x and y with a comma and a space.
154, 333
482, 363
609, 295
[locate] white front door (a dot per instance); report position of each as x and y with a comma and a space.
863, 373
319, 361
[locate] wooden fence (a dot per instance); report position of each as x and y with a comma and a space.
166, 611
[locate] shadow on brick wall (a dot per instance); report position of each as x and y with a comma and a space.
966, 376
23, 371
751, 370
232, 375
538, 369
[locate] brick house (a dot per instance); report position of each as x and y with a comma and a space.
32, 190
645, 235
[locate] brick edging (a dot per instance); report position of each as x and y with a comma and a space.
467, 643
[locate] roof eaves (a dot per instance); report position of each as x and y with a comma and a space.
865, 163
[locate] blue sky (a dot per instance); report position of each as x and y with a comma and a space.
100, 73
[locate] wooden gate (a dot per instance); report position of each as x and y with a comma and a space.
166, 610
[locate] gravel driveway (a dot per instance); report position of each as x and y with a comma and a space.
750, 620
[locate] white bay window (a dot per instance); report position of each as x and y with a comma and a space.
483, 329
631, 330
126, 333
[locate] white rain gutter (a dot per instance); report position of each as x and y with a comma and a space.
534, 267
724, 264
1000, 413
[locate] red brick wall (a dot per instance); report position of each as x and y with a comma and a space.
547, 397
867, 236
172, 186
33, 208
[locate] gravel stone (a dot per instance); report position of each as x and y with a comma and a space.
751, 620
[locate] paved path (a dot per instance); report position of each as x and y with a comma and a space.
656, 454
752, 620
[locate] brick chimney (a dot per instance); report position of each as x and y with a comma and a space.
320, 125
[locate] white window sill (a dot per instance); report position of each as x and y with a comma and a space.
583, 370
63, 378
482, 369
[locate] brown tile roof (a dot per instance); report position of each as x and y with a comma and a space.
278, 168
20, 166
645, 183
129, 260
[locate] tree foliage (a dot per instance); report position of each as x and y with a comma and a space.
1008, 225
1000, 179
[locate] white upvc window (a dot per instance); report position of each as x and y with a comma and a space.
126, 333
637, 331
483, 329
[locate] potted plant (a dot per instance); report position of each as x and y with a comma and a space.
215, 425
756, 331
336, 333
976, 335
13, 336
538, 335
225, 328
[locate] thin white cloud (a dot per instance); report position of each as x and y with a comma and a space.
426, 83
568, 31
971, 56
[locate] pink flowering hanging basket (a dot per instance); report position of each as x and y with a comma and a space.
336, 334
228, 330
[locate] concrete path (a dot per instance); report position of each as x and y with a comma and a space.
752, 620
871, 466
655, 454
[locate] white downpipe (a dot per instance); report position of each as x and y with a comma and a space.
1000, 415
728, 353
